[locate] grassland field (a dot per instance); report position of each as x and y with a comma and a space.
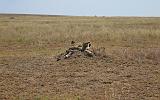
134, 40
45, 32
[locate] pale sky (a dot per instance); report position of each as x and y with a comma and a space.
82, 7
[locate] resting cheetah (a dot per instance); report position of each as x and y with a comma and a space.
78, 47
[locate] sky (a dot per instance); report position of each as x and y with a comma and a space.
82, 7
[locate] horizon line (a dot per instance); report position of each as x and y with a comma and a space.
37, 14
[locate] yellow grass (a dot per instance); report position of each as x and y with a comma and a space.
131, 38
56, 32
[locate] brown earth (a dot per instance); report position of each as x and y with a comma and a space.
129, 71
79, 78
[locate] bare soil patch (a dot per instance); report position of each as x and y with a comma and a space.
80, 77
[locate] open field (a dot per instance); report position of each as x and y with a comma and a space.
28, 69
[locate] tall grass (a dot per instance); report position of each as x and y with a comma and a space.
42, 31
33, 29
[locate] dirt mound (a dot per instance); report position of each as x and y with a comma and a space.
83, 52
79, 54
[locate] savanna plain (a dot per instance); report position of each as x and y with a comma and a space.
29, 45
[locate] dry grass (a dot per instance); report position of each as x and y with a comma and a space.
127, 38
50, 33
